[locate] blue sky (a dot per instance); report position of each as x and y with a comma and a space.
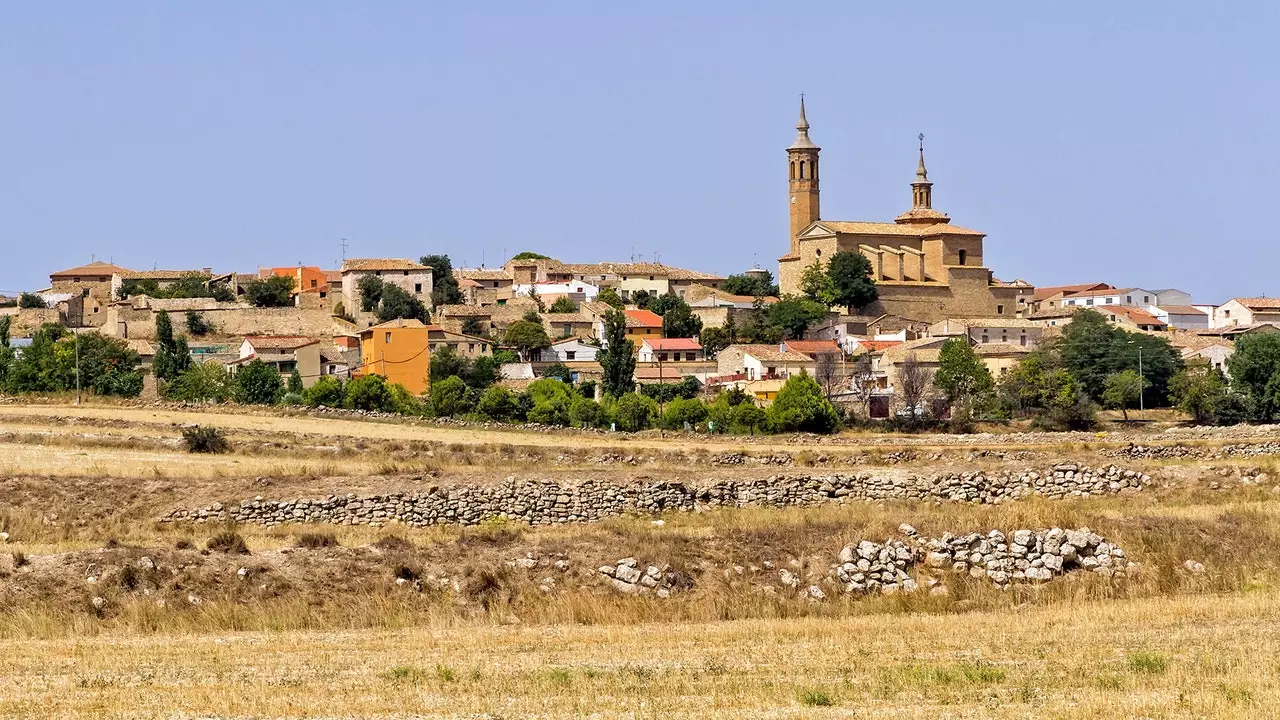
1091, 141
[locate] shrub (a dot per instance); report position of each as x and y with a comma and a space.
680, 412
1150, 663
748, 418
586, 412
316, 540
327, 391
292, 398
634, 412
496, 403
31, 301
369, 393
554, 411
228, 542
19, 558
204, 439
802, 407
449, 397
197, 325
810, 697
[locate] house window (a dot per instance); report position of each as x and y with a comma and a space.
1109, 300
313, 283
1128, 299
662, 357
999, 309
386, 338
406, 273
471, 347
985, 338
1023, 340
1003, 337
570, 354
568, 329
773, 371
417, 288
1089, 301
1146, 299
650, 277
964, 255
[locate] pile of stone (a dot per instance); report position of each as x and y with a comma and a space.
541, 502
1025, 556
627, 576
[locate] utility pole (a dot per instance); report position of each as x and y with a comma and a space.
1142, 389
77, 368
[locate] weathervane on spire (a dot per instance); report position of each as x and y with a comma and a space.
921, 136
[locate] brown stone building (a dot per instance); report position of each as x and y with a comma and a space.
924, 267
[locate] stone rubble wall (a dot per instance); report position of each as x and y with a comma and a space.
540, 502
1175, 452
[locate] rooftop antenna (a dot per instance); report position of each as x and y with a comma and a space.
344, 245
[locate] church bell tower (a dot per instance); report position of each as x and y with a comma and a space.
802, 161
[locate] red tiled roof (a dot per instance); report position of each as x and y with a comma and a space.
279, 342
1138, 317
879, 345
643, 318
673, 343
93, 268
1259, 303
1043, 293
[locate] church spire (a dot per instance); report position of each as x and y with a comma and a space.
802, 131
922, 212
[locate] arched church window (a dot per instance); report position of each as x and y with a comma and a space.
801, 169
793, 169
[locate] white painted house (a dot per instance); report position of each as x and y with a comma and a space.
575, 290
1182, 317
569, 350
1110, 296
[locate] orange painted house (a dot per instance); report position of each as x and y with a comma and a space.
399, 351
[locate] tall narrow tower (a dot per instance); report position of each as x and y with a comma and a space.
802, 161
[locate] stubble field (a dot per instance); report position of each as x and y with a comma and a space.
443, 621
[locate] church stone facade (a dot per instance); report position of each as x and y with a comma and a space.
925, 268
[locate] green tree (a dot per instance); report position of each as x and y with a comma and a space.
795, 315
527, 337
816, 284
1199, 391
170, 360
641, 299
106, 366
1092, 348
484, 372
6, 352
559, 371
31, 301
472, 326
610, 297
617, 359
398, 304
528, 255
275, 291
1253, 365
678, 320
961, 374
370, 289
801, 406
205, 382
197, 325
713, 339
586, 412
496, 403
295, 383
683, 410
563, 305
755, 285
748, 417
369, 393
258, 383
446, 362
851, 282
327, 391
1123, 389
634, 412
449, 397
444, 286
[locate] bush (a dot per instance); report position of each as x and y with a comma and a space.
203, 439
497, 403
586, 412
197, 325
31, 301
228, 542
634, 412
406, 403
327, 391
554, 411
292, 398
681, 411
369, 393
207, 382
802, 407
748, 418
449, 397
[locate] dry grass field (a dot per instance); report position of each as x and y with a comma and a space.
301, 628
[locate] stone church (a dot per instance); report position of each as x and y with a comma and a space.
925, 268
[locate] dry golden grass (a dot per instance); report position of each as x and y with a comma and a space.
1188, 657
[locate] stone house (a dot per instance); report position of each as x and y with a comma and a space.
758, 362
981, 331
1246, 311
467, 346
412, 277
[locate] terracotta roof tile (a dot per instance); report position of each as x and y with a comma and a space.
673, 343
368, 264
643, 318
93, 268
279, 342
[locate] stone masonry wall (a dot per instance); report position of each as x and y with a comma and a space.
544, 501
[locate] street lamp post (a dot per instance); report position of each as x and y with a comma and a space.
1142, 382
